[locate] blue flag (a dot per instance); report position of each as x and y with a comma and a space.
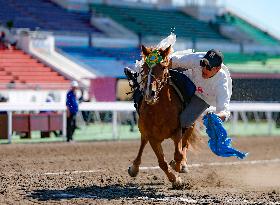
219, 142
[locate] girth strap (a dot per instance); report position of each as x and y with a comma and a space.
183, 85
177, 90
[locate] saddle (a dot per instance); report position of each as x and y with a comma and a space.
184, 87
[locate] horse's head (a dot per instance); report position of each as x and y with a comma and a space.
154, 72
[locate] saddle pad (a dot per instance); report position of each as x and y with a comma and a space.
186, 87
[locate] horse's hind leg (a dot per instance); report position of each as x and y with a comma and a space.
185, 146
156, 146
134, 169
178, 154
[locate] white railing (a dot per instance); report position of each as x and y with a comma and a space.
116, 107
10, 108
242, 108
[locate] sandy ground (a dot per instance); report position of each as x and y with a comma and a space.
96, 173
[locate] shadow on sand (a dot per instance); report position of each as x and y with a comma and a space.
96, 192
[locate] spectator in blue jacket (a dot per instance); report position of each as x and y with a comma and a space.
72, 110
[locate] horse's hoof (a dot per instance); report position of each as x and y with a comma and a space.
184, 169
177, 184
132, 171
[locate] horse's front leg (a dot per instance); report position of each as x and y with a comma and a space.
156, 146
133, 170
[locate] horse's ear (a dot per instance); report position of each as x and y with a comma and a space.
166, 52
145, 50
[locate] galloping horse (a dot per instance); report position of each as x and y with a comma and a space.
159, 114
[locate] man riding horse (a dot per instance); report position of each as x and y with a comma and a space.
210, 77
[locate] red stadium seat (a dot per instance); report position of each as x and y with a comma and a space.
21, 68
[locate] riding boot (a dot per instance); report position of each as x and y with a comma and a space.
131, 75
137, 94
137, 98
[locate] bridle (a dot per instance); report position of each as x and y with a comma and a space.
152, 60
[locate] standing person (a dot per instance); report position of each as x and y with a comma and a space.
7, 40
72, 110
211, 79
3, 40
2, 37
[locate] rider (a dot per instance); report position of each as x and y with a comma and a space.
211, 78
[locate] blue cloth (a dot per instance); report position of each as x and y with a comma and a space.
219, 142
71, 102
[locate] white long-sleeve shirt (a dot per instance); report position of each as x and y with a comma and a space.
216, 91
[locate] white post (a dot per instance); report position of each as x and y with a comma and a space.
64, 126
270, 122
244, 118
115, 124
10, 126
235, 120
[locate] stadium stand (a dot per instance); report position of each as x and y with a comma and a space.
145, 22
45, 15
21, 69
244, 58
104, 61
253, 63
255, 34
256, 77
153, 22
263, 88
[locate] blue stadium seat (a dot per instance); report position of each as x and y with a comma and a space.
44, 14
104, 61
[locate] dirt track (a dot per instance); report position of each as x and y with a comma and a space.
96, 173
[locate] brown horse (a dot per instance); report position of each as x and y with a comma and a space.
159, 115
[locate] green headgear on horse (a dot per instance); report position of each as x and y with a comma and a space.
153, 58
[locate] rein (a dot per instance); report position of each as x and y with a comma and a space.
160, 82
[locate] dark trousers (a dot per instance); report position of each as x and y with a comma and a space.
71, 126
193, 110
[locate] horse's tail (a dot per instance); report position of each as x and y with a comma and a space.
194, 138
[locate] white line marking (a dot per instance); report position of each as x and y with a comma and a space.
190, 166
201, 201
72, 172
175, 199
222, 163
